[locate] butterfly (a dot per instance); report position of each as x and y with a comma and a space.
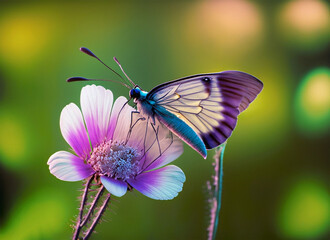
201, 110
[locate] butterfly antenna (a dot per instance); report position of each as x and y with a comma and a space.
116, 60
77, 79
90, 53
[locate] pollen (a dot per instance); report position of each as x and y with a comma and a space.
116, 160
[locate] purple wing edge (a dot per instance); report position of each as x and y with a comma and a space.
238, 90
236, 84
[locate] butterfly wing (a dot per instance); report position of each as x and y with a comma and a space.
208, 103
181, 129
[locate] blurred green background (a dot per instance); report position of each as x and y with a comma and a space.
276, 162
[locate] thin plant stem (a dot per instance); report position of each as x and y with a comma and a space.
92, 207
97, 217
81, 209
217, 192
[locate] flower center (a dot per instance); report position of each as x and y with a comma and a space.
115, 159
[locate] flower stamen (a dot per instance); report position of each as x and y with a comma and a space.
115, 159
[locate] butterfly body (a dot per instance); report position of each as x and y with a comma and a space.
202, 109
148, 107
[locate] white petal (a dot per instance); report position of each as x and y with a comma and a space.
147, 137
120, 120
161, 184
96, 104
115, 187
143, 136
171, 150
74, 131
68, 167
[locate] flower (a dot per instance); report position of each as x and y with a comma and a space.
123, 157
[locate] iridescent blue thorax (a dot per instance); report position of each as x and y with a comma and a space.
137, 94
144, 105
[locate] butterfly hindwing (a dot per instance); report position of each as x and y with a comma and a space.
208, 103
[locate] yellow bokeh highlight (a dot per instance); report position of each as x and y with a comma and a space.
23, 36
13, 143
305, 21
305, 211
312, 102
39, 217
316, 97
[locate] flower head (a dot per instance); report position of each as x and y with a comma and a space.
119, 146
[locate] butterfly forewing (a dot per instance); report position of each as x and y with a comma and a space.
208, 103
243, 85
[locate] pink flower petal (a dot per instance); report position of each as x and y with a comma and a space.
161, 184
115, 187
142, 136
171, 150
68, 167
148, 138
74, 131
159, 150
96, 104
120, 120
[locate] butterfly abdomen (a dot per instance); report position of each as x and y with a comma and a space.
181, 129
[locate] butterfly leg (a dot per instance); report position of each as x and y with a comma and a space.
169, 145
145, 137
133, 123
151, 144
156, 132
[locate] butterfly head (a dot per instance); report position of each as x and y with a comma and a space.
135, 93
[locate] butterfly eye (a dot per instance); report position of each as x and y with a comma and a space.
134, 93
206, 79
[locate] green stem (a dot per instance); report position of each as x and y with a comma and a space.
218, 191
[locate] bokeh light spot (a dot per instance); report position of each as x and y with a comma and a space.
305, 22
233, 26
305, 211
38, 217
312, 102
23, 37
